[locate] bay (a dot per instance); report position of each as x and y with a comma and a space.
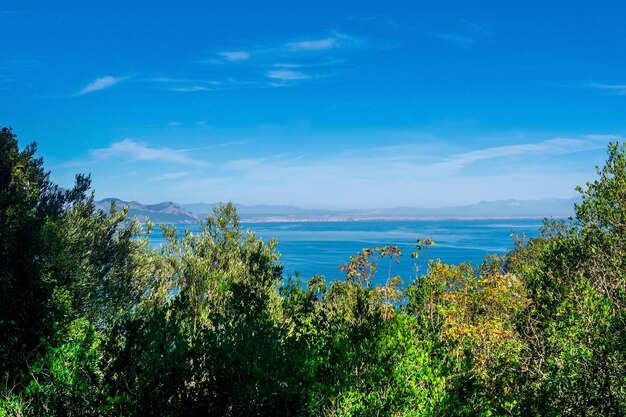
310, 248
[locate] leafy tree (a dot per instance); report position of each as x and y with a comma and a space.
94, 322
468, 317
207, 333
575, 327
27, 200
62, 263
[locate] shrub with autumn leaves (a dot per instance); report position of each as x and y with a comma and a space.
95, 322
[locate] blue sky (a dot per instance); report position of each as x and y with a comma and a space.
354, 104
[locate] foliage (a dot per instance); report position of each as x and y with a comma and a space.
576, 355
61, 261
95, 322
468, 315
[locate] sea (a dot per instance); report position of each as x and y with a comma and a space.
308, 248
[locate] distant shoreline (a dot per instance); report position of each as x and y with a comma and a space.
171, 213
362, 219
384, 219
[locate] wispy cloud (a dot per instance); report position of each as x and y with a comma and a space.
235, 56
287, 75
313, 45
262, 54
480, 28
465, 33
222, 145
168, 176
435, 175
11, 12
137, 151
287, 65
414, 169
168, 80
243, 164
463, 41
459, 32
189, 85
276, 64
190, 89
11, 71
554, 146
19, 65
229, 83
101, 84
618, 89
125, 175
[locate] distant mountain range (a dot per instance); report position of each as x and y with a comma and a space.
166, 212
261, 211
553, 207
169, 212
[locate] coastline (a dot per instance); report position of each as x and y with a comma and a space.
282, 219
339, 219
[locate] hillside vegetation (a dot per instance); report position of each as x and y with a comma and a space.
93, 322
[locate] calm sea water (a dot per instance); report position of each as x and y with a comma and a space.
310, 248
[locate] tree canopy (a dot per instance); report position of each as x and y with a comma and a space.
93, 321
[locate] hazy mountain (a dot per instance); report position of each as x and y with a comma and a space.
166, 212
169, 212
553, 207
501, 208
263, 211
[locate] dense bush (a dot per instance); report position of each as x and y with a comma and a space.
94, 322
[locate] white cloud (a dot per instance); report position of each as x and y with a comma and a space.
287, 75
101, 84
235, 56
140, 152
313, 45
